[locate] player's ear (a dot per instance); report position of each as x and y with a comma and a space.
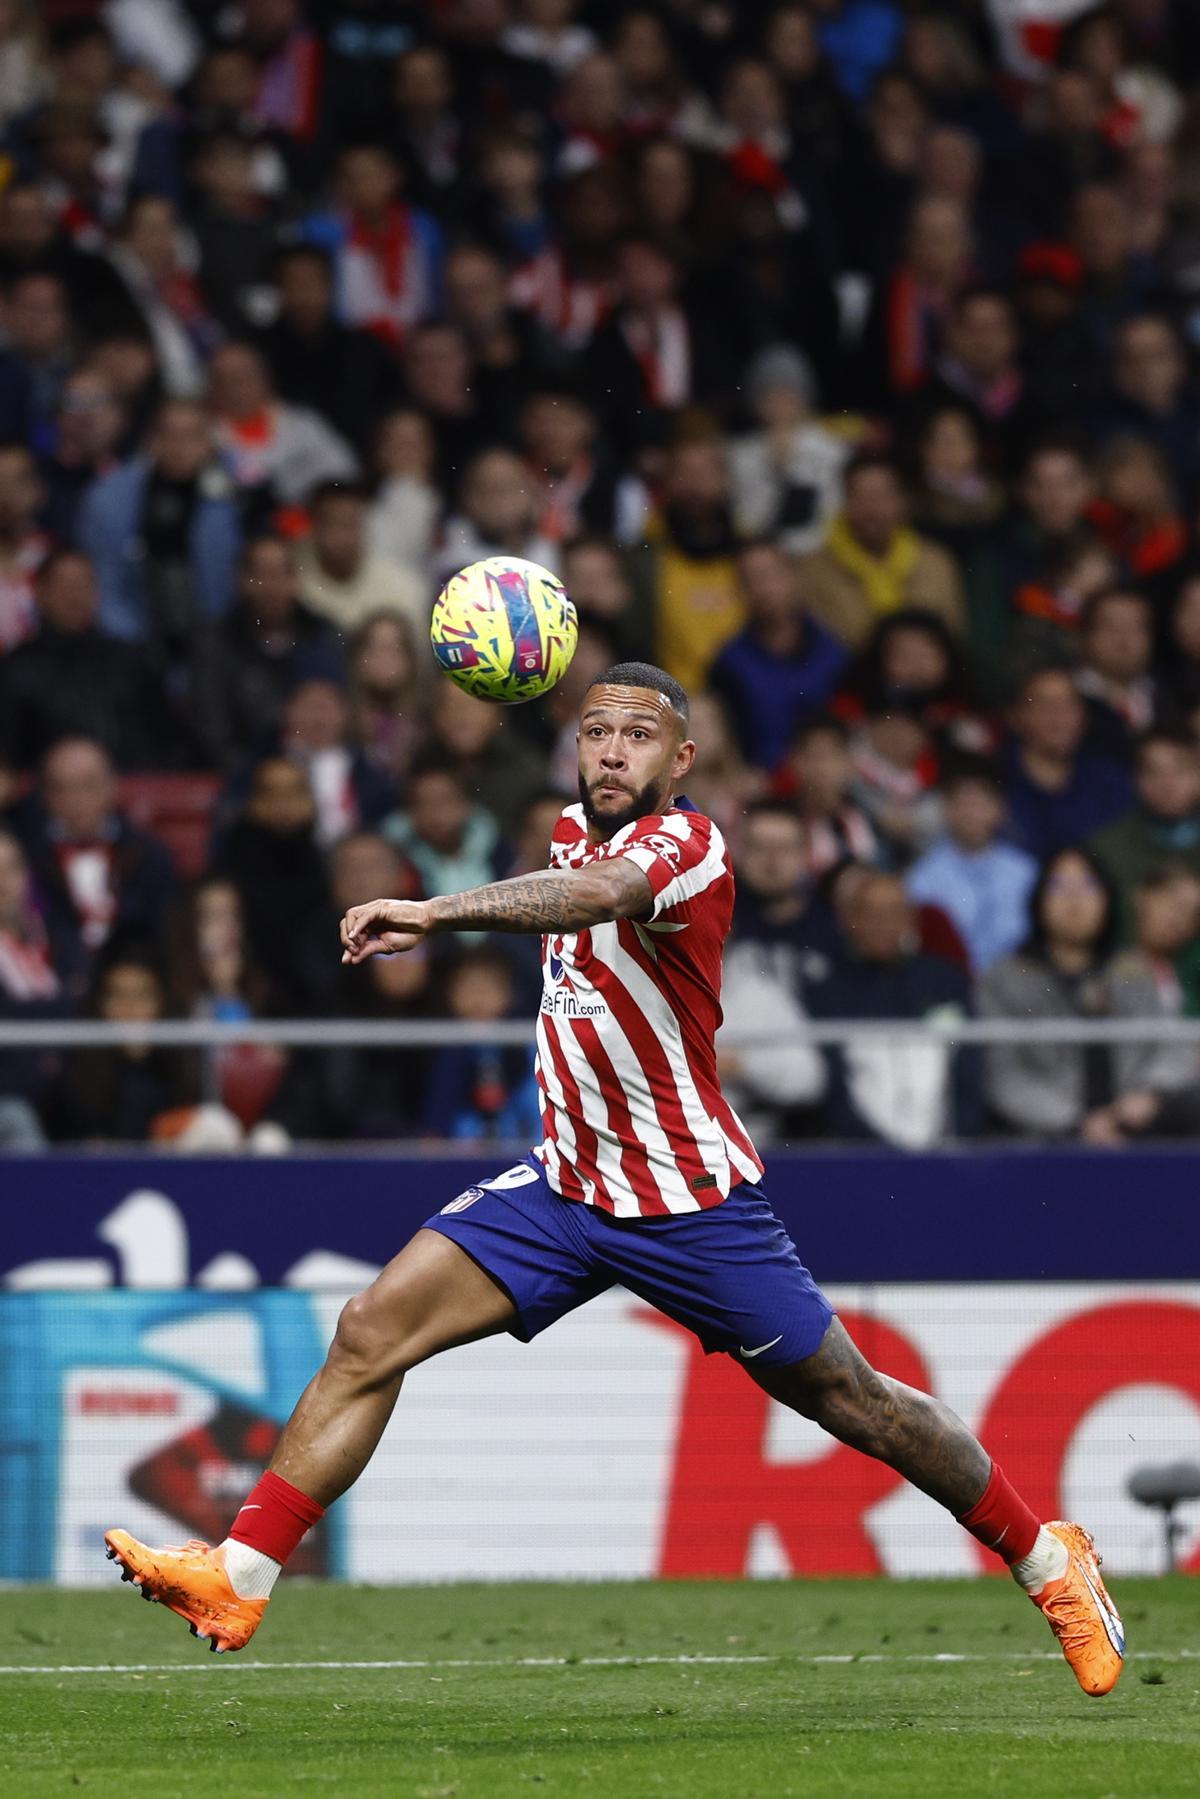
685, 755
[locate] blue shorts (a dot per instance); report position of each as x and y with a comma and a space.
731, 1273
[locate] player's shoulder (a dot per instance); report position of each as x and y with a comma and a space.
681, 837
569, 836
679, 824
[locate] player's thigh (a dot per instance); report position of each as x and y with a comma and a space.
431, 1296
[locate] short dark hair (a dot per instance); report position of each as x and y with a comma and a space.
967, 770
1096, 602
771, 806
1174, 740
824, 724
328, 491
864, 461
644, 674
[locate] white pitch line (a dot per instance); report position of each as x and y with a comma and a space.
589, 1661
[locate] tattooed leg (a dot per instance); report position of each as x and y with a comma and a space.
910, 1431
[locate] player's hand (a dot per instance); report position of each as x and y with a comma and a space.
383, 928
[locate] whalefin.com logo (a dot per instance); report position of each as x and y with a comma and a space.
559, 997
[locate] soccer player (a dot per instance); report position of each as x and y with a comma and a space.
645, 1177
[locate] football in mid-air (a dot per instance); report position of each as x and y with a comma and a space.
504, 629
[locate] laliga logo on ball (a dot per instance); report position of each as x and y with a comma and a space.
504, 629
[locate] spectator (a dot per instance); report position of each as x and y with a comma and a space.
1163, 825
499, 514
896, 776
24, 546
773, 1084
387, 705
913, 304
1166, 935
655, 353
345, 376
535, 828
1136, 512
980, 881
24, 77
89, 427
407, 505
787, 474
482, 1092
595, 575
1117, 647
29, 989
353, 1091
820, 771
270, 854
347, 790
721, 783
1179, 671
276, 452
979, 366
341, 577
267, 643
499, 770
431, 136
163, 534
236, 227
437, 375
69, 680
909, 1091
163, 294
96, 873
956, 502
123, 1092
451, 842
783, 666
686, 576
1058, 791
40, 335
1099, 1093
1151, 397
911, 658
874, 562
511, 354
1023, 570
387, 255
578, 486
211, 973
773, 878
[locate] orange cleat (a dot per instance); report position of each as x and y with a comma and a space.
191, 1582
1081, 1614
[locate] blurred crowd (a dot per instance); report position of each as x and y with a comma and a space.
840, 355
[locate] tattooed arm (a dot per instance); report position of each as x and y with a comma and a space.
551, 900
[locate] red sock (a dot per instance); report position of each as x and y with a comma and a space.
1001, 1520
275, 1517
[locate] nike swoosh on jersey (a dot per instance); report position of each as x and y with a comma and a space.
749, 1354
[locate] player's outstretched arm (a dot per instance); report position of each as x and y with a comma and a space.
551, 900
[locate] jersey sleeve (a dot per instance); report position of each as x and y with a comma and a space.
681, 855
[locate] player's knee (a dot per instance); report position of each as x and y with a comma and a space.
368, 1344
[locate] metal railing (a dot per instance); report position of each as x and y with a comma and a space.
329, 1033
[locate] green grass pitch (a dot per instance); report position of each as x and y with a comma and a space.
815, 1688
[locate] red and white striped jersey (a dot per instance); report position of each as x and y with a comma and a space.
634, 1117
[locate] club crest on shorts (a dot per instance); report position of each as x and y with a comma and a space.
465, 1199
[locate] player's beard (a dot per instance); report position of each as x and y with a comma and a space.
641, 805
